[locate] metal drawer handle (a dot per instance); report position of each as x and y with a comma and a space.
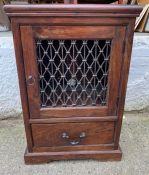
65, 135
30, 80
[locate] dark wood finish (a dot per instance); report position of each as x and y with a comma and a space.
70, 10
99, 147
73, 32
74, 111
74, 1
74, 119
30, 68
46, 157
47, 135
101, 124
124, 79
22, 82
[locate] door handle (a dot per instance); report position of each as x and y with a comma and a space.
65, 135
30, 80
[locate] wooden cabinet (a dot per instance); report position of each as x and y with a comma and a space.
73, 63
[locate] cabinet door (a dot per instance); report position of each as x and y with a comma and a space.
72, 71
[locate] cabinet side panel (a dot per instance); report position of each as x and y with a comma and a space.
22, 82
124, 77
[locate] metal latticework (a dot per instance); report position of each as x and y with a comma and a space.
73, 72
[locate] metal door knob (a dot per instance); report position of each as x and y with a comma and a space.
30, 80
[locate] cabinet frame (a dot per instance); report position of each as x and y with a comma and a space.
118, 16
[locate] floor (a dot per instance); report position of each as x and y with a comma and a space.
134, 144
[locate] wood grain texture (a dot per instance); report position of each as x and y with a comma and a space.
46, 157
71, 21
100, 147
22, 82
74, 32
30, 65
74, 119
73, 112
124, 78
115, 69
76, 1
51, 134
73, 10
102, 125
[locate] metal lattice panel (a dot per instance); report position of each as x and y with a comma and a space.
73, 72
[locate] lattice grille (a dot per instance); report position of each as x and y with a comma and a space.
73, 72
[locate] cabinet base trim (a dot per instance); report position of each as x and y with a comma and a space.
46, 157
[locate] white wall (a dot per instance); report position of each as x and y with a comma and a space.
9, 91
138, 85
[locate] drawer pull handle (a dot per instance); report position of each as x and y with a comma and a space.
65, 135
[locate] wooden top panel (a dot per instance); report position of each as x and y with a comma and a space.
73, 10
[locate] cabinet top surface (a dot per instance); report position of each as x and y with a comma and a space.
73, 9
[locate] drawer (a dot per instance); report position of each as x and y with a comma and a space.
66, 134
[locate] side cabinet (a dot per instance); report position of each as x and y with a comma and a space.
73, 63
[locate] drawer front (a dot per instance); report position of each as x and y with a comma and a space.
67, 134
